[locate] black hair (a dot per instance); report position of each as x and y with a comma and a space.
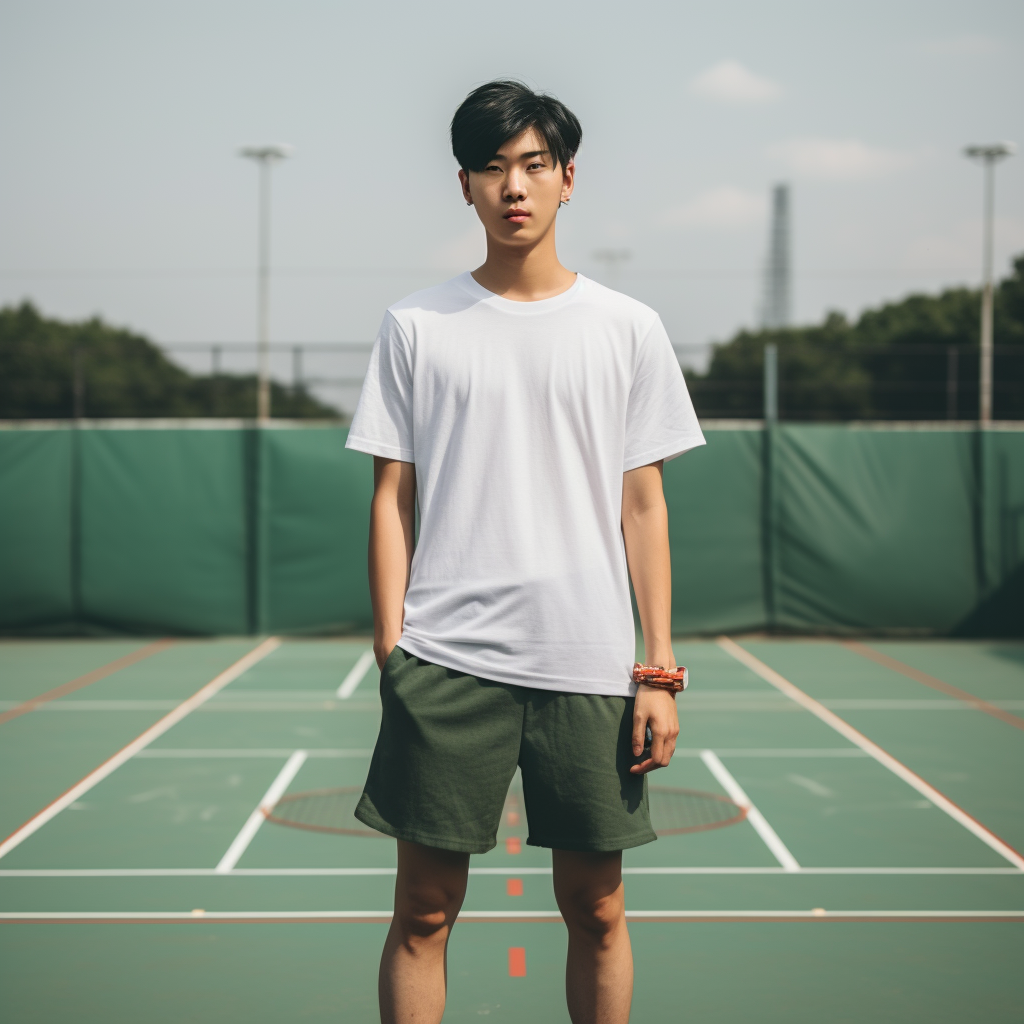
498, 111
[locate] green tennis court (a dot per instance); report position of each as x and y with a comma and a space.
861, 864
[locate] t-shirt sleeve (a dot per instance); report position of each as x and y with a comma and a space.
382, 424
660, 419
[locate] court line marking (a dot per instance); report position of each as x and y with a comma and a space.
916, 704
509, 871
768, 835
328, 704
895, 665
732, 752
516, 961
254, 752
355, 675
266, 805
384, 916
958, 814
94, 676
142, 741
102, 705
278, 752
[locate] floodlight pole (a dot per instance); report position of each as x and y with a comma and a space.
771, 383
989, 156
264, 157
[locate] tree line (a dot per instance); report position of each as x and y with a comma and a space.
52, 370
912, 359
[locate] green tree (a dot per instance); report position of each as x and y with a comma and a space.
892, 363
122, 374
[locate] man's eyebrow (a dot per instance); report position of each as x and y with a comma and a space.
523, 156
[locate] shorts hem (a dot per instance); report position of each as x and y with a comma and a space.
599, 846
421, 838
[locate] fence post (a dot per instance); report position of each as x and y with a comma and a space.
769, 498
75, 521
771, 383
769, 521
257, 527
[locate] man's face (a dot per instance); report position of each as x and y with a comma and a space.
517, 194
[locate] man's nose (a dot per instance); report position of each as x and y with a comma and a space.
515, 187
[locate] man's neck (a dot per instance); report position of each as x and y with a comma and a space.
524, 274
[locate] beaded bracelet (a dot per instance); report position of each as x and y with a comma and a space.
673, 680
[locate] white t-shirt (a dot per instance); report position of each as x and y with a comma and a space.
521, 418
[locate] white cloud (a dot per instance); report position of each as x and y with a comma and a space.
730, 82
966, 45
837, 159
723, 207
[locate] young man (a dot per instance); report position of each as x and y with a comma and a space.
529, 411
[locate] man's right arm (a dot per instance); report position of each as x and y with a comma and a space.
392, 538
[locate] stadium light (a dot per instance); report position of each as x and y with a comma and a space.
264, 156
989, 156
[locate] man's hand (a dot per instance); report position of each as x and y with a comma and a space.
645, 532
382, 650
656, 708
392, 538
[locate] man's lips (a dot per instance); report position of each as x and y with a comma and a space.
517, 215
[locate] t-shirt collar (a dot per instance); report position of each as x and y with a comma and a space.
478, 291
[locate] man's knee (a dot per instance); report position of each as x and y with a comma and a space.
594, 914
426, 914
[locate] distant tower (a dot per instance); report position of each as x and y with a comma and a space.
777, 298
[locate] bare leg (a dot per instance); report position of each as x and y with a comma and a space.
429, 891
599, 967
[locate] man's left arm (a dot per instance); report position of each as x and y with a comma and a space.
645, 530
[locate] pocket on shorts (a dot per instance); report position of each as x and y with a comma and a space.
390, 661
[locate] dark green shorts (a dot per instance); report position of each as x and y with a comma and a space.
448, 749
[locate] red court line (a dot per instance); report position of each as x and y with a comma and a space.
90, 677
514, 887
936, 684
516, 962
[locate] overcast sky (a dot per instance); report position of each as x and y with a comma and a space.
121, 194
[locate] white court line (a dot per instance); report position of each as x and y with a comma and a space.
139, 743
511, 871
266, 805
253, 752
355, 675
384, 916
819, 871
774, 752
771, 839
88, 706
958, 814
280, 752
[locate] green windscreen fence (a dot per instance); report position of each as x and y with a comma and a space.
244, 530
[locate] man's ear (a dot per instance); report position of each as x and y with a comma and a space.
464, 182
568, 180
